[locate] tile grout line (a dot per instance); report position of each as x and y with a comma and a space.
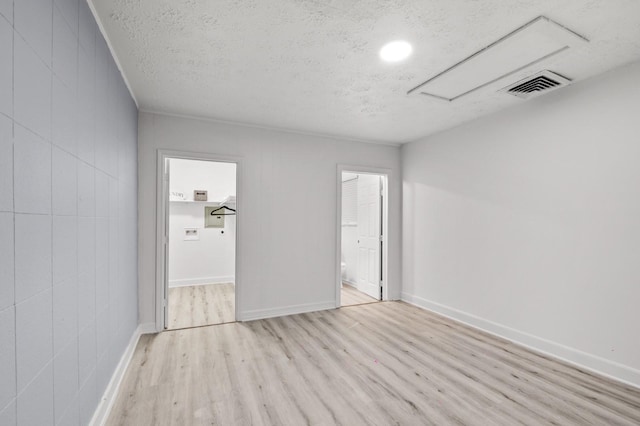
77, 292
13, 205
53, 382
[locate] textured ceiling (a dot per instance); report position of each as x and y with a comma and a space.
313, 65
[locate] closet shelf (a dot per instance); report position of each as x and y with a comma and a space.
229, 201
226, 201
194, 202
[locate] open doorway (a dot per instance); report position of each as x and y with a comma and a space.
363, 226
201, 243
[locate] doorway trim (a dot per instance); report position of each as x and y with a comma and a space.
385, 224
162, 215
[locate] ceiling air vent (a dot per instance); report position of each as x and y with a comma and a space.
512, 56
536, 85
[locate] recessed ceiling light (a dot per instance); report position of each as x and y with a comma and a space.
396, 51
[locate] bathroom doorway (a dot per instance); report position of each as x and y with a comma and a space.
200, 242
362, 237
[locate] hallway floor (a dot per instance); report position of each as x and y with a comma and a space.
198, 305
351, 296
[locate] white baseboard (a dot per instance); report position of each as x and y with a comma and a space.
285, 310
350, 283
148, 328
202, 281
583, 360
108, 398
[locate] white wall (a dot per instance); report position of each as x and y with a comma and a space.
527, 223
211, 258
68, 213
287, 203
219, 179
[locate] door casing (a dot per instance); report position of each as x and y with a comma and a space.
162, 219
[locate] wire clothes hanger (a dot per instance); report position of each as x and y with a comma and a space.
213, 212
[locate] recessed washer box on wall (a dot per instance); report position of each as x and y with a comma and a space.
213, 220
528, 45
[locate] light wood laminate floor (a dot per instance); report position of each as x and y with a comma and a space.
384, 363
198, 305
350, 296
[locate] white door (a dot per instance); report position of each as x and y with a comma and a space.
369, 235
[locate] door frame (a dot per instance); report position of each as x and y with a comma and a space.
162, 216
385, 173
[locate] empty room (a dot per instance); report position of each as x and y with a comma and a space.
407, 212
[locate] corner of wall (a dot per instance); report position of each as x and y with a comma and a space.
101, 414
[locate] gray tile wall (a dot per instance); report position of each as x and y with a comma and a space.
68, 215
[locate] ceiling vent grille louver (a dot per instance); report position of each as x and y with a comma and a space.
537, 84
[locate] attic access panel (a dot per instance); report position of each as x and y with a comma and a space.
528, 45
